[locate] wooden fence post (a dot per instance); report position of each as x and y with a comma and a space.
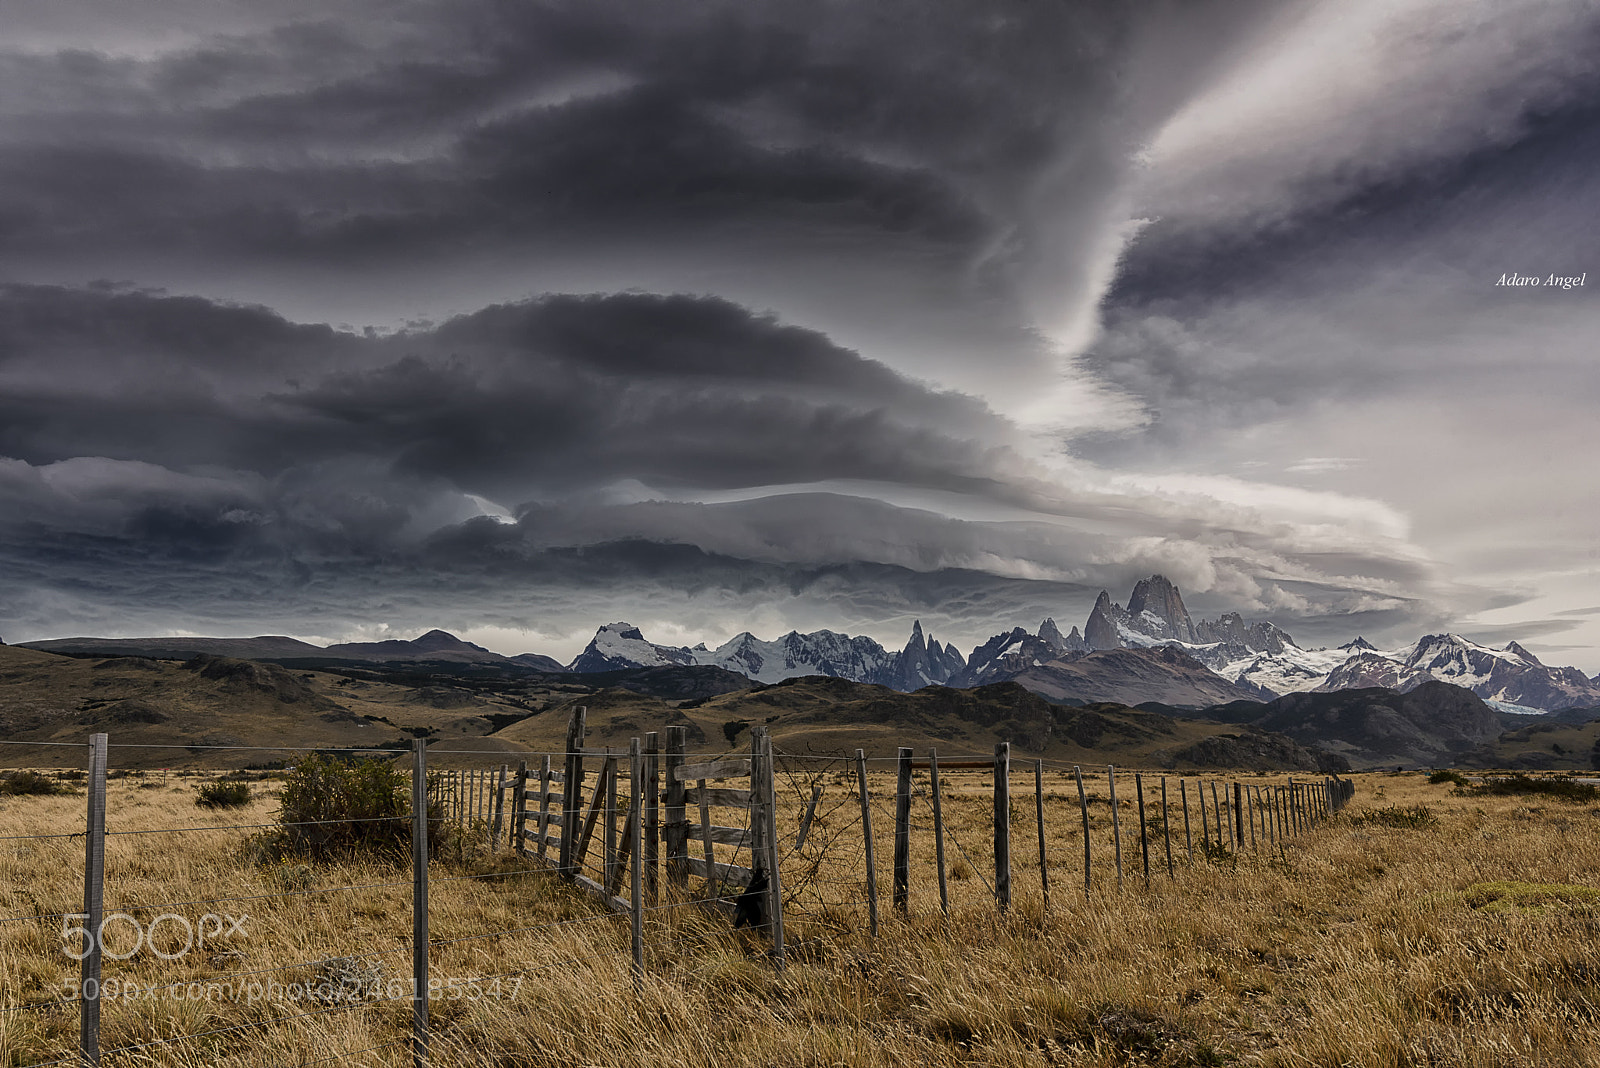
1188, 836
1038, 818
1002, 826
546, 780
902, 832
1116, 820
938, 828
572, 790
635, 847
94, 883
652, 818
498, 821
1216, 812
1088, 855
419, 903
768, 800
1166, 828
519, 808
1144, 837
1238, 814
609, 848
866, 834
676, 827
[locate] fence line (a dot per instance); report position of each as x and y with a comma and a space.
636, 805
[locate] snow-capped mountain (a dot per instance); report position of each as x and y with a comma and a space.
923, 662
821, 652
620, 645
1009, 654
1511, 675
1255, 656
1261, 656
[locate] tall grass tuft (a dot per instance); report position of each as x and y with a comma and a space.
1517, 785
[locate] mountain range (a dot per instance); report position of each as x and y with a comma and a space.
1152, 650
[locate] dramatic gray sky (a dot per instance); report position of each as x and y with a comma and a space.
352, 318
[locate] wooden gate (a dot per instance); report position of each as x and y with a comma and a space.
566, 810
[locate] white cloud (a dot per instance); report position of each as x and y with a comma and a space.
1353, 91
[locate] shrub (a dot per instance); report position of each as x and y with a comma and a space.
31, 782
1517, 785
1414, 816
332, 807
1447, 775
219, 794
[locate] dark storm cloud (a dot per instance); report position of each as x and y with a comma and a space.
934, 196
477, 122
556, 394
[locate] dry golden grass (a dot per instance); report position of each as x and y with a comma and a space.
1359, 944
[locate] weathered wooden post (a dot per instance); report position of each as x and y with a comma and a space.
1216, 811
546, 780
769, 841
1166, 828
902, 832
1238, 815
419, 903
866, 831
609, 858
635, 847
498, 820
1116, 820
519, 808
676, 827
572, 790
652, 818
938, 828
1038, 818
94, 874
707, 843
1002, 826
1088, 856
1144, 837
1188, 836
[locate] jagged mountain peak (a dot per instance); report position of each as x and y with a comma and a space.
1514, 648
1158, 605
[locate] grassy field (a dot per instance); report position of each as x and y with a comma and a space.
1424, 926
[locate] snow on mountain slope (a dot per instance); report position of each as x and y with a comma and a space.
620, 645
821, 652
1512, 675
924, 661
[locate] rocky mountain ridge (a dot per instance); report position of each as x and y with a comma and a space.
1244, 658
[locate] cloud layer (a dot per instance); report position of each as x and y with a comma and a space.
726, 316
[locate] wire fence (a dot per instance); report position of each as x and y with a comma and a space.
676, 841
